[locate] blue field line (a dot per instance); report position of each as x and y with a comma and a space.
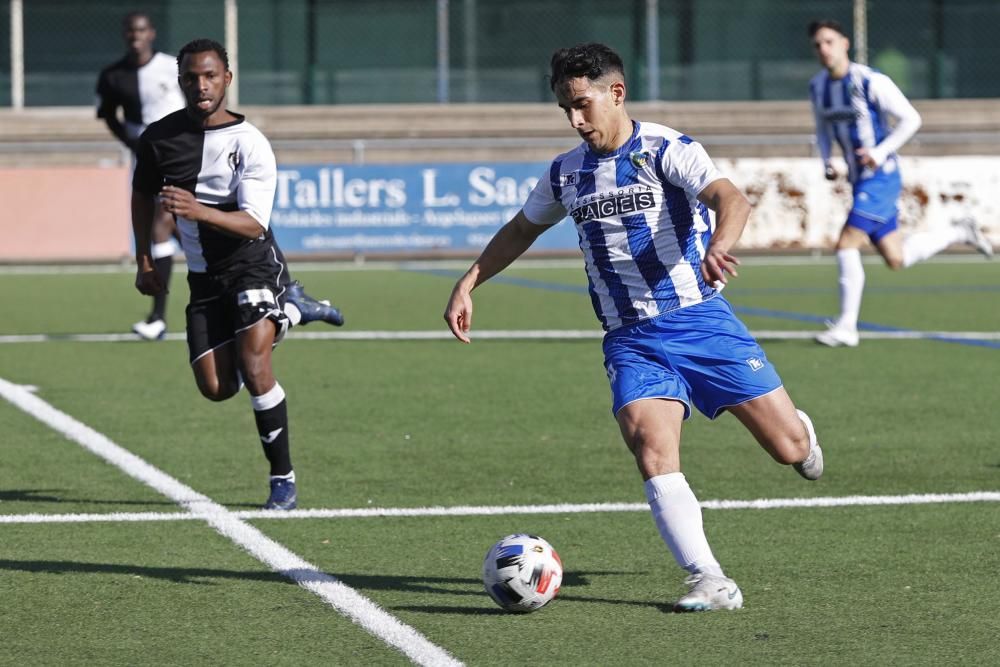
747, 310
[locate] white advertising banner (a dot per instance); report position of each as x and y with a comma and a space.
796, 207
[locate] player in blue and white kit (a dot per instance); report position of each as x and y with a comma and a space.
852, 104
640, 195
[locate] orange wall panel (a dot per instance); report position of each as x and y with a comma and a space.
64, 213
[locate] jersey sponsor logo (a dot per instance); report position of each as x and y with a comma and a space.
841, 116
610, 205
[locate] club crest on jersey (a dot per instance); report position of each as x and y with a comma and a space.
234, 161
638, 158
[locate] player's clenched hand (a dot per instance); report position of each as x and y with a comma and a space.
148, 282
866, 159
717, 264
179, 202
458, 314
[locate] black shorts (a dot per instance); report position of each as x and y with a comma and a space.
222, 305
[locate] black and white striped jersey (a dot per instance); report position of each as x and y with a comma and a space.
230, 167
145, 94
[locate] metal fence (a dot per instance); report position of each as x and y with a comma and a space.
386, 51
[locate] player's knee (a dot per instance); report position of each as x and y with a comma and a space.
217, 390
894, 263
652, 455
791, 448
257, 375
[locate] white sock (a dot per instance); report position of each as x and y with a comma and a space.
852, 285
678, 518
268, 399
921, 245
293, 313
163, 249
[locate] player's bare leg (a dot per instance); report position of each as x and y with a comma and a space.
772, 420
652, 430
785, 433
215, 373
270, 409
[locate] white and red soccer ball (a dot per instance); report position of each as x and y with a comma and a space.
522, 572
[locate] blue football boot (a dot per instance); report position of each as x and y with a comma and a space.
283, 496
311, 309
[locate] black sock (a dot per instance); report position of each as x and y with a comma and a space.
164, 267
270, 411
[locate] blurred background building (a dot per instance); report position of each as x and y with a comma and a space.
451, 98
393, 51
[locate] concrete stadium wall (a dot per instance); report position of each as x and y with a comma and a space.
64, 186
81, 214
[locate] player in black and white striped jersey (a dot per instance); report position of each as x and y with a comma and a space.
216, 173
143, 84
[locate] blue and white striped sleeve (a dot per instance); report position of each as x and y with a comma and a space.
824, 132
544, 205
687, 165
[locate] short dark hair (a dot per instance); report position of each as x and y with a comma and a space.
131, 16
202, 45
592, 60
816, 26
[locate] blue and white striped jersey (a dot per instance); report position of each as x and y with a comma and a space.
854, 112
642, 230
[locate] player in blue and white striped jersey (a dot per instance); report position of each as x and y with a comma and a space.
640, 195
853, 105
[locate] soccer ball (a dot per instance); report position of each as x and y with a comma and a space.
522, 572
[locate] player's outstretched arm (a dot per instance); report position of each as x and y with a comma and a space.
732, 210
507, 245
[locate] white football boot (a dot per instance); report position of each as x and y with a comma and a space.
154, 330
812, 467
837, 335
709, 592
975, 237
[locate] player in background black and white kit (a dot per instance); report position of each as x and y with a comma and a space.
143, 84
216, 173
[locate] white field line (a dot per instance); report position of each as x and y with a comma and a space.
505, 334
343, 598
488, 510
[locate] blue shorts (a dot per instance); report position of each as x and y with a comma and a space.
874, 211
702, 354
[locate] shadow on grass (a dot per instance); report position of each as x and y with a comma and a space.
489, 609
179, 575
464, 586
50, 496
